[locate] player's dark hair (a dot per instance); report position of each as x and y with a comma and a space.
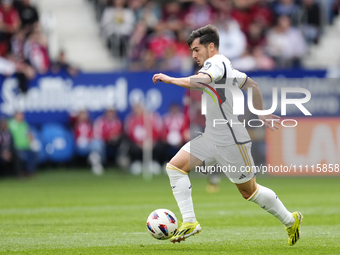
207, 34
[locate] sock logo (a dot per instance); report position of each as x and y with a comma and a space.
190, 187
173, 187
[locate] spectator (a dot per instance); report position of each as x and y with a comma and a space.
150, 13
232, 40
137, 132
61, 65
263, 62
23, 71
28, 14
7, 152
86, 145
256, 36
160, 40
15, 64
200, 13
263, 14
7, 67
246, 62
9, 24
137, 7
17, 44
286, 44
36, 52
178, 55
176, 130
173, 16
22, 138
222, 6
311, 20
287, 8
109, 129
183, 52
242, 14
158, 43
117, 25
138, 42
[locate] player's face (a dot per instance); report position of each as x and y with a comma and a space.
199, 52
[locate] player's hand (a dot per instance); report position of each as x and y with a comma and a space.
161, 77
270, 121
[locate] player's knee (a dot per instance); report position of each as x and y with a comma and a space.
245, 194
180, 167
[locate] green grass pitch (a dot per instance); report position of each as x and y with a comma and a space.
74, 212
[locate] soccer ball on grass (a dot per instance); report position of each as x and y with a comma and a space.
162, 224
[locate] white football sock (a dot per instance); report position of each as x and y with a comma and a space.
268, 200
181, 188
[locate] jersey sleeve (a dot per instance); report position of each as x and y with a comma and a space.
238, 78
213, 68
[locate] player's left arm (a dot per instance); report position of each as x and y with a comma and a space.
191, 82
258, 104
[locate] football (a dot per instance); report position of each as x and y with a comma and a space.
162, 224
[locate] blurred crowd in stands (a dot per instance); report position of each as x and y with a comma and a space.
254, 34
108, 141
23, 47
104, 141
124, 143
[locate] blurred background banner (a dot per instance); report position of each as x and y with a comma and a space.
311, 148
50, 98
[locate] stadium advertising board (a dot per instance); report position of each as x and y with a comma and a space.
51, 98
311, 148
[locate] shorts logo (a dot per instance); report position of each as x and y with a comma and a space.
242, 176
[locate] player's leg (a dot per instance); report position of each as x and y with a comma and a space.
190, 156
177, 170
244, 177
268, 200
185, 161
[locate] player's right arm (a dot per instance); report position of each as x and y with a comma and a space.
191, 82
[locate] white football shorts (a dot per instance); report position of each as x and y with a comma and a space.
235, 160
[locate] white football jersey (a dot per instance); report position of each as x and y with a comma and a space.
232, 131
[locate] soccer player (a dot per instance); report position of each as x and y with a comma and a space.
227, 145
